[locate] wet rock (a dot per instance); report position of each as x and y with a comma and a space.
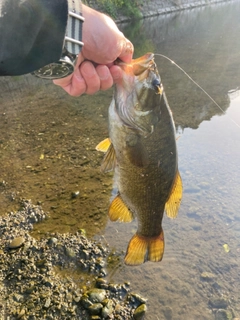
16, 243
96, 295
101, 283
75, 194
107, 310
70, 253
222, 314
168, 313
136, 299
47, 303
52, 241
95, 308
32, 280
140, 312
207, 276
85, 301
218, 303
18, 297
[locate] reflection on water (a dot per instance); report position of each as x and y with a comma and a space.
198, 278
205, 43
47, 152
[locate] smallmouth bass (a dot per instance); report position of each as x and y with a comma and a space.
141, 148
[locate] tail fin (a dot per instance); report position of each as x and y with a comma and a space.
141, 249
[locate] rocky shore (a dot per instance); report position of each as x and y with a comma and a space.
156, 7
31, 286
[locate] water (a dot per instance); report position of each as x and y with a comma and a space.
47, 152
205, 43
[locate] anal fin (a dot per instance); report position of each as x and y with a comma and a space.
119, 211
142, 249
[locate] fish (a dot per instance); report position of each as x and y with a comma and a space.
141, 149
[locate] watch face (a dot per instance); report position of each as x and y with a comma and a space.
56, 70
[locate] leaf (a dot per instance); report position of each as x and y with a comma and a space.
226, 248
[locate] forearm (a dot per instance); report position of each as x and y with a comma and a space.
31, 34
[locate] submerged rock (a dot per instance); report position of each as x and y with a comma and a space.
207, 276
223, 315
218, 303
140, 312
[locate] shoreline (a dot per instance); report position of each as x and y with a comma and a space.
159, 7
61, 276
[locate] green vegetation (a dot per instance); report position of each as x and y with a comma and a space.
129, 8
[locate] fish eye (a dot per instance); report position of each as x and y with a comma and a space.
156, 83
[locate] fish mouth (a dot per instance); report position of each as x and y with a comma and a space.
143, 68
142, 64
137, 66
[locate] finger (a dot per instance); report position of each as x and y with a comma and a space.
106, 80
74, 84
64, 82
127, 51
78, 85
90, 76
116, 73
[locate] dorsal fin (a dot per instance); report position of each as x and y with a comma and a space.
173, 203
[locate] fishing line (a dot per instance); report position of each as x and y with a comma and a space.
207, 94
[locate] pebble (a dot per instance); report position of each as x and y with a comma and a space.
96, 295
218, 303
95, 308
16, 243
140, 312
222, 314
207, 276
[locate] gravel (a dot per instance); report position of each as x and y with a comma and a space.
32, 288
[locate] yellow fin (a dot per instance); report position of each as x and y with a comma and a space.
103, 145
119, 211
141, 249
136, 251
156, 248
173, 203
109, 160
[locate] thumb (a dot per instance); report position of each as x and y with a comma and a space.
127, 51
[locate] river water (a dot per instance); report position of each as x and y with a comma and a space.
47, 153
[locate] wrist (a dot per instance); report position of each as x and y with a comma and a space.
72, 45
73, 37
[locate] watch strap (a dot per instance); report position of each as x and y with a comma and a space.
73, 38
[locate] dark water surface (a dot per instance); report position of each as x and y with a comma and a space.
47, 152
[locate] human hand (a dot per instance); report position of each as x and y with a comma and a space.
103, 44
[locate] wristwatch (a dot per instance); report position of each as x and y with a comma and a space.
71, 47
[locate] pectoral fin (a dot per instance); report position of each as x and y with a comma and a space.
104, 145
109, 160
119, 211
174, 200
141, 249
